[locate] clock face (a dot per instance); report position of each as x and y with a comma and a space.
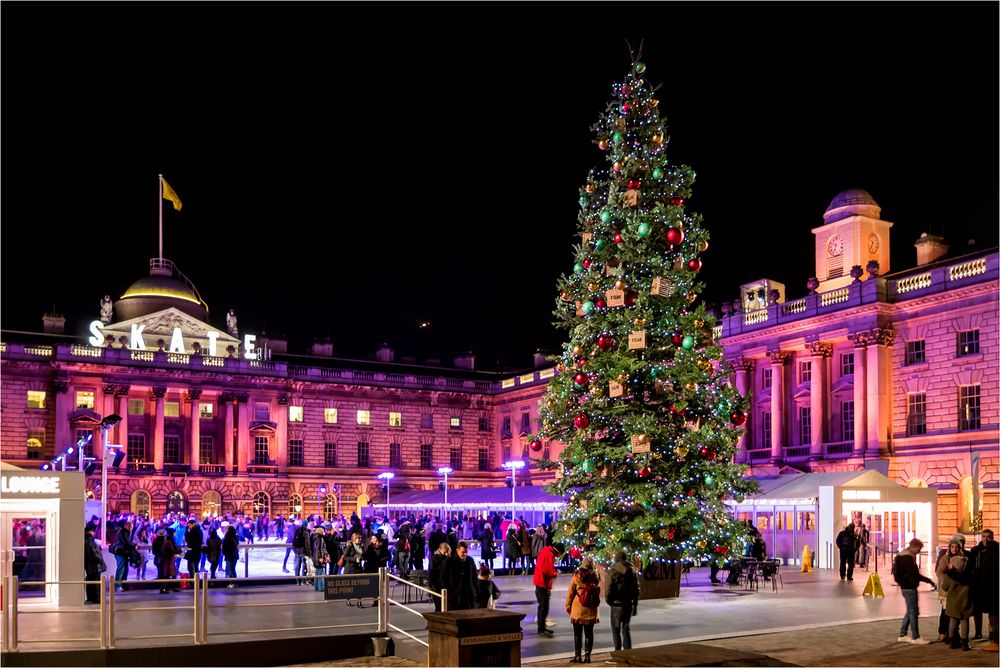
835, 246
872, 243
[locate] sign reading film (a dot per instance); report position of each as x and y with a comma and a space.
343, 587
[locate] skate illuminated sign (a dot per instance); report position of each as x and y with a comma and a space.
136, 342
861, 495
23, 484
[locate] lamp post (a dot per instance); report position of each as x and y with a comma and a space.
106, 425
387, 476
319, 500
513, 467
445, 470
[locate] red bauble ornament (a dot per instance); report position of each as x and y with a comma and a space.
605, 342
671, 532
630, 298
618, 237
721, 549
645, 472
626, 90
603, 145
694, 265
599, 303
703, 451
586, 264
676, 339
581, 379
581, 362
581, 421
626, 107
536, 446
634, 185
676, 201
738, 417
691, 492
675, 236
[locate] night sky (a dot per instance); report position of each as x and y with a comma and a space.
351, 170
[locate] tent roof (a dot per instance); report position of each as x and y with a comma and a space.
806, 485
477, 497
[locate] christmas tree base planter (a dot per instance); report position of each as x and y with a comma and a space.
661, 579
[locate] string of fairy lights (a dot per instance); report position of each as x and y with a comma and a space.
642, 401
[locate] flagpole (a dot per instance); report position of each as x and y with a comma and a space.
161, 218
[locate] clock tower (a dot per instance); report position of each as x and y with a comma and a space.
852, 234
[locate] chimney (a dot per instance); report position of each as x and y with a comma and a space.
466, 361
53, 323
385, 353
540, 360
930, 248
321, 348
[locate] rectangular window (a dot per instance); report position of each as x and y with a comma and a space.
968, 407
330, 453
295, 413
765, 429
262, 412
395, 419
455, 459
206, 449
916, 414
85, 399
363, 461
425, 456
506, 452
35, 443
171, 409
525, 423
364, 417
484, 424
395, 456
206, 410
136, 406
455, 423
427, 420
261, 450
296, 453
136, 447
505, 430
81, 434
805, 371
846, 420
330, 415
968, 342
765, 379
36, 399
805, 425
484, 459
915, 352
171, 449
847, 364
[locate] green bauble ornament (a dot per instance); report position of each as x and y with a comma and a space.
605, 216
657, 174
709, 480
599, 244
587, 466
584, 200
697, 525
643, 230
577, 268
640, 67
687, 342
618, 137
587, 308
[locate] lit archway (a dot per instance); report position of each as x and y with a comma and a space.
363, 501
966, 505
329, 507
176, 502
916, 482
211, 504
295, 505
261, 504
140, 503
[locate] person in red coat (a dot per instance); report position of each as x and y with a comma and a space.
545, 575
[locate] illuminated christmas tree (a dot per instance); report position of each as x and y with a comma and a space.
649, 418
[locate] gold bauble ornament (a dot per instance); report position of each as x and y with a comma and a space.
549, 404
646, 536
622, 378
577, 350
595, 390
705, 365
699, 323
682, 451
643, 438
702, 544
657, 139
690, 387
561, 367
702, 246
620, 284
654, 103
691, 297
616, 166
639, 322
593, 287
678, 265
589, 188
595, 351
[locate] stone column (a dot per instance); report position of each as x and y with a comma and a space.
778, 359
226, 399
243, 434
107, 407
195, 445
878, 390
744, 372
159, 392
860, 393
121, 391
64, 406
819, 388
281, 432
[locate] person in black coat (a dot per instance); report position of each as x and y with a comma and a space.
376, 555
458, 576
848, 546
93, 564
332, 549
436, 538
434, 572
488, 546
195, 541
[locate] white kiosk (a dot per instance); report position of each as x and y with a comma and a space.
792, 511
42, 515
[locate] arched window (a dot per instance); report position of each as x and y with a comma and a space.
330, 506
966, 507
140, 502
176, 502
295, 505
916, 482
211, 504
363, 501
261, 504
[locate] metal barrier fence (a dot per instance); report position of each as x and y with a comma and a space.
384, 577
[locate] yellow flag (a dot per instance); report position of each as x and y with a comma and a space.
170, 195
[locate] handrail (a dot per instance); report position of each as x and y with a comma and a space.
389, 602
10, 606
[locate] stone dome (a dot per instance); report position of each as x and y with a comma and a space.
164, 287
852, 202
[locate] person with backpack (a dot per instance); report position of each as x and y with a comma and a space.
908, 577
623, 598
582, 601
847, 545
300, 543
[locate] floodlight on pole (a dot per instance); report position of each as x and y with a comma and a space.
513, 467
106, 425
319, 499
445, 470
387, 476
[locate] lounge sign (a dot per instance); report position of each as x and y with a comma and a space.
136, 342
47, 485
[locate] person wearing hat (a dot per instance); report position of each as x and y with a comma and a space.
93, 564
545, 576
486, 590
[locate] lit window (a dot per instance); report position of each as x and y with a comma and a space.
136, 406
206, 411
456, 423
295, 413
85, 399
364, 417
395, 419
171, 409
330, 415
36, 399
35, 443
